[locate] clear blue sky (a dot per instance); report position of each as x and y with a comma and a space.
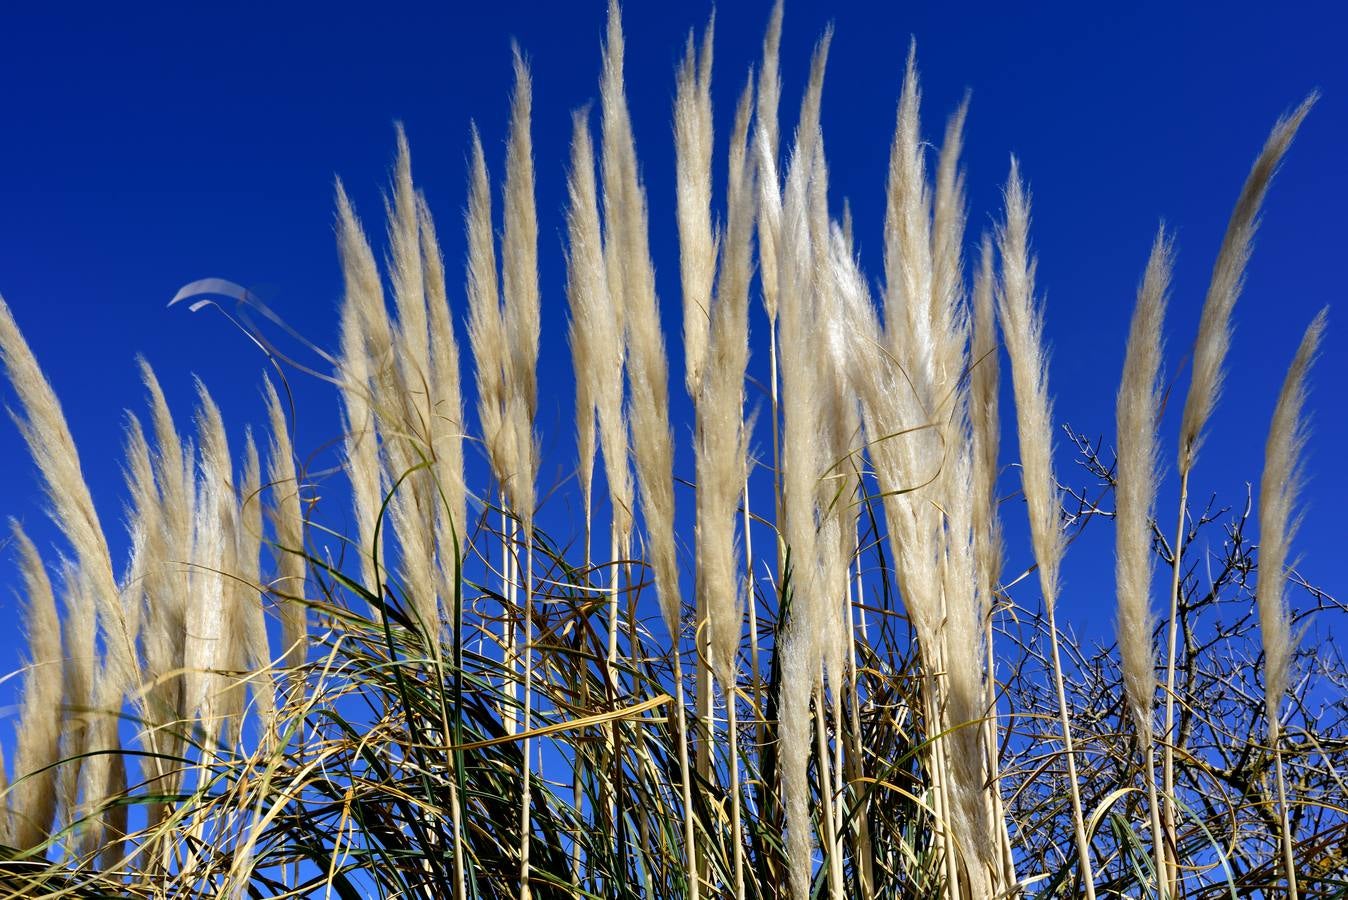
142, 148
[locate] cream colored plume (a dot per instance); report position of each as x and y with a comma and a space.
165, 498
697, 240
596, 339
519, 283
769, 100
79, 627
985, 431
486, 328
626, 239
49, 440
1023, 328
908, 246
1228, 278
212, 638
1138, 413
360, 444
287, 515
32, 799
965, 691
404, 415
1280, 515
258, 657
447, 424
721, 440
412, 334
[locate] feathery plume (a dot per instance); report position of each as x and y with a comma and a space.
769, 99
447, 425
908, 245
985, 433
721, 438
32, 800
596, 343
44, 429
402, 379
79, 627
287, 517
211, 636
360, 444
154, 586
1279, 493
1139, 406
1023, 327
962, 634
247, 579
519, 283
648, 369
162, 496
412, 336
1228, 278
949, 317
486, 329
580, 290
697, 240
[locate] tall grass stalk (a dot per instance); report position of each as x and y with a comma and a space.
1209, 372
647, 369
1279, 497
1138, 412
1022, 324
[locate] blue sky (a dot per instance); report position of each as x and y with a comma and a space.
145, 148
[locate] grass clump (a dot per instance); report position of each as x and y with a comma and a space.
449, 701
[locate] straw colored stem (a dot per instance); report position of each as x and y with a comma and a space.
827, 821
1171, 872
526, 786
1069, 749
1284, 821
685, 780
736, 829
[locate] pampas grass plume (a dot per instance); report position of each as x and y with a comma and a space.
1228, 278
647, 366
287, 516
697, 241
32, 800
1138, 411
1279, 518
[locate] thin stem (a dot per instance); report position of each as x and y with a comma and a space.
526, 788
610, 670
613, 612
508, 620
752, 604
776, 442
1288, 861
864, 854
685, 776
732, 741
1157, 835
827, 822
1168, 744
1073, 790
990, 728
576, 787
